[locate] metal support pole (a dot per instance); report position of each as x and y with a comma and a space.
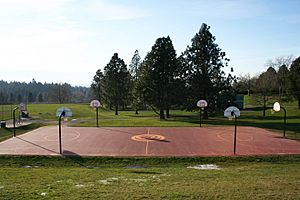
11, 113
200, 117
284, 123
14, 120
235, 126
59, 131
2, 114
97, 117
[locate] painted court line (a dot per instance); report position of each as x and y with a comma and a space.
147, 144
135, 141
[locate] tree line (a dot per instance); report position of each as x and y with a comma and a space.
37, 92
163, 80
282, 78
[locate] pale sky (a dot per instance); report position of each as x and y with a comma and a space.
68, 40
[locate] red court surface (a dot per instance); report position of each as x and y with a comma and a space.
153, 141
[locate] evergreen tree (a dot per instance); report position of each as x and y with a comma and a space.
19, 98
40, 98
3, 98
283, 80
97, 85
115, 82
204, 76
134, 71
30, 97
12, 98
295, 80
157, 75
17, 92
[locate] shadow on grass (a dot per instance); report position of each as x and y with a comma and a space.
6, 133
141, 116
188, 119
145, 172
75, 158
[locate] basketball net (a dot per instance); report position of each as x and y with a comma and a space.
230, 118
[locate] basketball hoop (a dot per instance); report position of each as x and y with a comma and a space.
68, 112
231, 113
276, 108
201, 104
95, 104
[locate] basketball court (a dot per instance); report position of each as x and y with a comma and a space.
149, 141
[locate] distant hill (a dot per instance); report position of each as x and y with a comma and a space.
37, 92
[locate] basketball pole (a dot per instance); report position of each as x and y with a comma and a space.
235, 126
200, 117
284, 122
59, 130
97, 116
14, 120
276, 108
2, 114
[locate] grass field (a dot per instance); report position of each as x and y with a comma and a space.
149, 178
83, 115
33, 177
6, 133
6, 111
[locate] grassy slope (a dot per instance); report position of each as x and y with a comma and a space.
251, 117
161, 178
6, 111
85, 116
6, 133
273, 120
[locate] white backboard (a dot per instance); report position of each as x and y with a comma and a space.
276, 107
232, 111
95, 104
68, 112
22, 107
202, 103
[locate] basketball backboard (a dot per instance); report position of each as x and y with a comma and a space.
202, 103
232, 112
22, 107
276, 107
95, 104
68, 112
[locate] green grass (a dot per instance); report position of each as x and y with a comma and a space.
84, 115
37, 177
153, 178
6, 111
48, 111
6, 133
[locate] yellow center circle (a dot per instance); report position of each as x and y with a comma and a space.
148, 138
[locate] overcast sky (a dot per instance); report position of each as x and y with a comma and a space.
68, 40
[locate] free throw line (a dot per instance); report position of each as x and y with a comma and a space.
147, 143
